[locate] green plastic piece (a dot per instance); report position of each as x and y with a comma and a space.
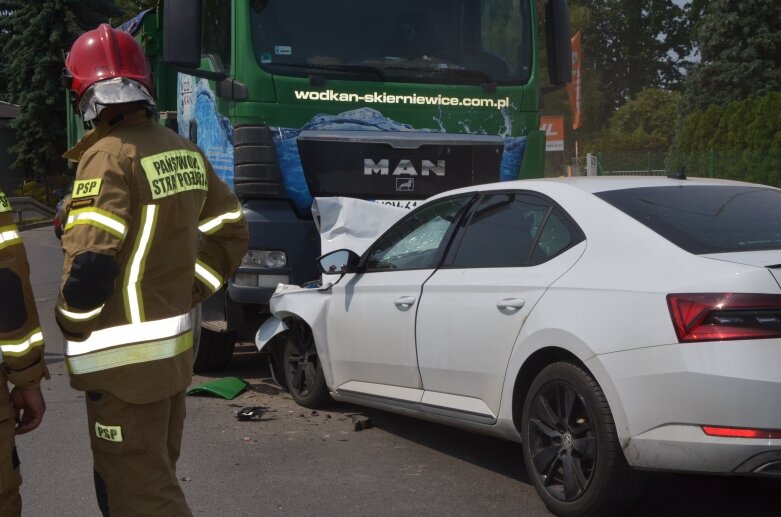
227, 388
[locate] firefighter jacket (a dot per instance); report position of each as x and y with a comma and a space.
21, 339
151, 231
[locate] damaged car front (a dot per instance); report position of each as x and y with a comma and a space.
347, 227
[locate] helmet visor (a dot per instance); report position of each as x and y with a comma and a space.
119, 90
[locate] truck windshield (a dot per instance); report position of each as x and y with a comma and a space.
442, 41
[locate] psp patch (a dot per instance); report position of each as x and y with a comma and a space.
86, 188
5, 205
111, 433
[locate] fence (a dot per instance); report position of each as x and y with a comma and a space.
47, 191
27, 210
755, 166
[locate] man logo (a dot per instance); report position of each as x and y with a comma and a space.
405, 184
403, 167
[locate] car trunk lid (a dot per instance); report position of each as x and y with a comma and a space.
771, 259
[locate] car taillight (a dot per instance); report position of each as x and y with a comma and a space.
736, 432
725, 316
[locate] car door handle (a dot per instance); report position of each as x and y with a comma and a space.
510, 303
404, 302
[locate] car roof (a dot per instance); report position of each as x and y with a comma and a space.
593, 184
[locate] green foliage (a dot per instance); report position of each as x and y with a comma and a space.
645, 123
740, 140
130, 8
37, 34
653, 111
631, 45
31, 189
740, 48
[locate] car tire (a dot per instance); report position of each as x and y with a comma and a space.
303, 372
570, 445
212, 350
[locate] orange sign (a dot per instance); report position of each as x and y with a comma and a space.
573, 87
554, 132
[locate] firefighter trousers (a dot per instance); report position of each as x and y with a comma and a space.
134, 449
10, 479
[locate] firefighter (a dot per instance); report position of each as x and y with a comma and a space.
151, 231
21, 353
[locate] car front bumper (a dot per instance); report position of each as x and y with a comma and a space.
668, 393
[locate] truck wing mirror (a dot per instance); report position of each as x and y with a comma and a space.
558, 42
182, 33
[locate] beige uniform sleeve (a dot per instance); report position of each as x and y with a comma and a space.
224, 238
21, 339
95, 229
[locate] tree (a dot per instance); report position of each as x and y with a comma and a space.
631, 45
739, 140
740, 49
39, 33
645, 123
131, 8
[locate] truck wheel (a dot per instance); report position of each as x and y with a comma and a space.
212, 350
571, 448
303, 372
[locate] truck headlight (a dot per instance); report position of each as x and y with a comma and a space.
267, 259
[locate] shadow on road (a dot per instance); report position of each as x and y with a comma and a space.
665, 494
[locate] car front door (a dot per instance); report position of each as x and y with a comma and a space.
371, 314
509, 250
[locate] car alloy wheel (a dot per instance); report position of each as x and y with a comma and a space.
303, 372
571, 448
301, 360
562, 441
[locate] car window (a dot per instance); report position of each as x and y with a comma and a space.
415, 241
501, 231
557, 235
703, 219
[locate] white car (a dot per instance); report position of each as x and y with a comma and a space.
611, 325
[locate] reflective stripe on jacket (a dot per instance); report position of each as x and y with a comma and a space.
132, 236
21, 339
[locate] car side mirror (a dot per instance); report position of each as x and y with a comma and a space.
338, 262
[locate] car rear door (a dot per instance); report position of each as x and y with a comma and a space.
512, 248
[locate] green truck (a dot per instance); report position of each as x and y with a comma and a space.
391, 101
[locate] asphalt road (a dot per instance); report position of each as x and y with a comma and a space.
296, 462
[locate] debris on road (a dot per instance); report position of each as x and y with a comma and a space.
360, 423
251, 413
228, 388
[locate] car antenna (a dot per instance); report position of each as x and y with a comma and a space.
681, 174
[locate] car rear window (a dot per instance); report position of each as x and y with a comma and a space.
704, 219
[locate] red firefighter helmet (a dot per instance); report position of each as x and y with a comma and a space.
107, 66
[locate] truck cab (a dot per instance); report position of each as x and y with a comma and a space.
385, 101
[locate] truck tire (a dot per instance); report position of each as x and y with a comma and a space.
212, 350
